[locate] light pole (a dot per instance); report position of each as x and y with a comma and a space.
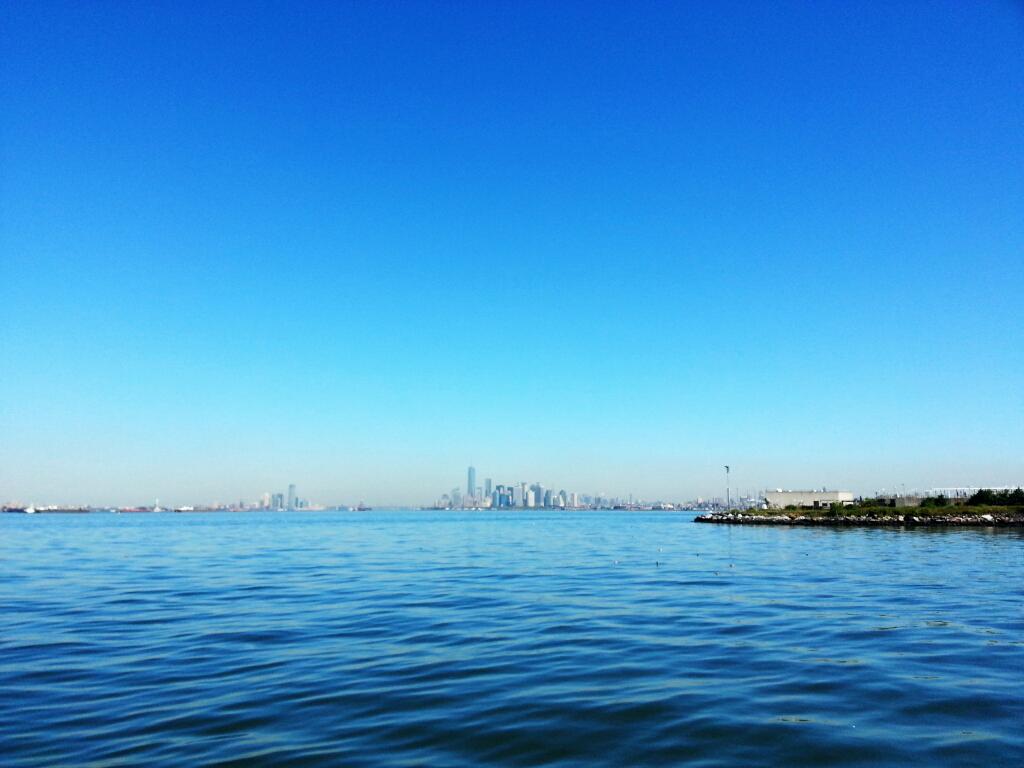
728, 498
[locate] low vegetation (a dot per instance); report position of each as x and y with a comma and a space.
986, 497
862, 510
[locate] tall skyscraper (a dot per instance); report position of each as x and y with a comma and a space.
291, 497
488, 486
471, 481
538, 494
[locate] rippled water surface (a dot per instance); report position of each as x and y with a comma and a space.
398, 638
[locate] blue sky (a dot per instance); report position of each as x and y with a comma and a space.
609, 247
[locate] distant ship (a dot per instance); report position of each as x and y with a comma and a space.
19, 510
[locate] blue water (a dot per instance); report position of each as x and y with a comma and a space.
464, 639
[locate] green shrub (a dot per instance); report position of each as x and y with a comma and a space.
988, 497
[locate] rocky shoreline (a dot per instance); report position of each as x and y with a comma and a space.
895, 519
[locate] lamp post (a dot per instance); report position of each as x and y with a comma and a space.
728, 497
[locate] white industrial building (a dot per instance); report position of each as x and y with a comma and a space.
780, 499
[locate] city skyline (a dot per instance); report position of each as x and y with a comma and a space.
618, 246
520, 495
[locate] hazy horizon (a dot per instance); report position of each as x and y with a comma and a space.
610, 249
361, 487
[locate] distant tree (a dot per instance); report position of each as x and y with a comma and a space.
988, 497
985, 497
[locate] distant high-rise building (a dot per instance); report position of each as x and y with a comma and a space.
277, 501
291, 496
538, 494
488, 486
471, 481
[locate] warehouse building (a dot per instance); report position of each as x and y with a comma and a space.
780, 499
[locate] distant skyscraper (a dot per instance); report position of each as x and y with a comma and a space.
277, 501
291, 496
471, 481
488, 486
538, 495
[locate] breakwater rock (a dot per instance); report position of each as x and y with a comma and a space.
895, 519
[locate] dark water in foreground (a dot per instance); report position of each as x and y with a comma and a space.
520, 639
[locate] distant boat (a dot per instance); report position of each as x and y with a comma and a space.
30, 510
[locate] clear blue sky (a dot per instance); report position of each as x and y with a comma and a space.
609, 247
